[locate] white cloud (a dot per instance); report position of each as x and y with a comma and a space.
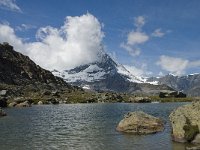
158, 33
136, 38
10, 5
7, 34
24, 27
134, 71
139, 22
76, 43
176, 65
133, 51
138, 71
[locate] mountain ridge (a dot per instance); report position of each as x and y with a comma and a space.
17, 69
189, 84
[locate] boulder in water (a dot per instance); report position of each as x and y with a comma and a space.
24, 104
40, 103
140, 123
12, 104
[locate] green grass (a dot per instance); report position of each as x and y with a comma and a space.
163, 100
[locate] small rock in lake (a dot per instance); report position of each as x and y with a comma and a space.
2, 113
12, 104
40, 103
24, 104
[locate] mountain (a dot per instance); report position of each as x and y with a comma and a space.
22, 80
17, 69
189, 84
107, 75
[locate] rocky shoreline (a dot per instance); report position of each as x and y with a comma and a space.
2, 113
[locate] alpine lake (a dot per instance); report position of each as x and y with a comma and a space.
82, 127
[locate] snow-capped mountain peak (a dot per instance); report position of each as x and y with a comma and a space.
97, 71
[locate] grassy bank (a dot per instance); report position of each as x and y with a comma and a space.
163, 100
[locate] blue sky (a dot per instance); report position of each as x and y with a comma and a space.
149, 37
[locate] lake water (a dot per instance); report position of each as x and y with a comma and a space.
82, 127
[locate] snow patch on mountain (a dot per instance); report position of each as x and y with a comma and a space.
91, 74
122, 70
145, 80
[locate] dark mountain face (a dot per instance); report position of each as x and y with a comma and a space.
18, 69
189, 84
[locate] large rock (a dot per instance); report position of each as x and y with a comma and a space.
40, 103
140, 99
2, 113
12, 104
53, 101
3, 92
185, 122
24, 104
3, 102
140, 123
172, 94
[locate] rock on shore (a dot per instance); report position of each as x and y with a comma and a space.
140, 123
185, 122
2, 113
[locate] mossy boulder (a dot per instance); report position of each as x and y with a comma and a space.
185, 122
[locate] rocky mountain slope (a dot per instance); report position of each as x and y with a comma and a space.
108, 75
17, 69
21, 79
189, 84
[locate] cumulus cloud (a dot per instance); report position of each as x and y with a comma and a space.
7, 34
10, 5
135, 37
75, 43
176, 65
